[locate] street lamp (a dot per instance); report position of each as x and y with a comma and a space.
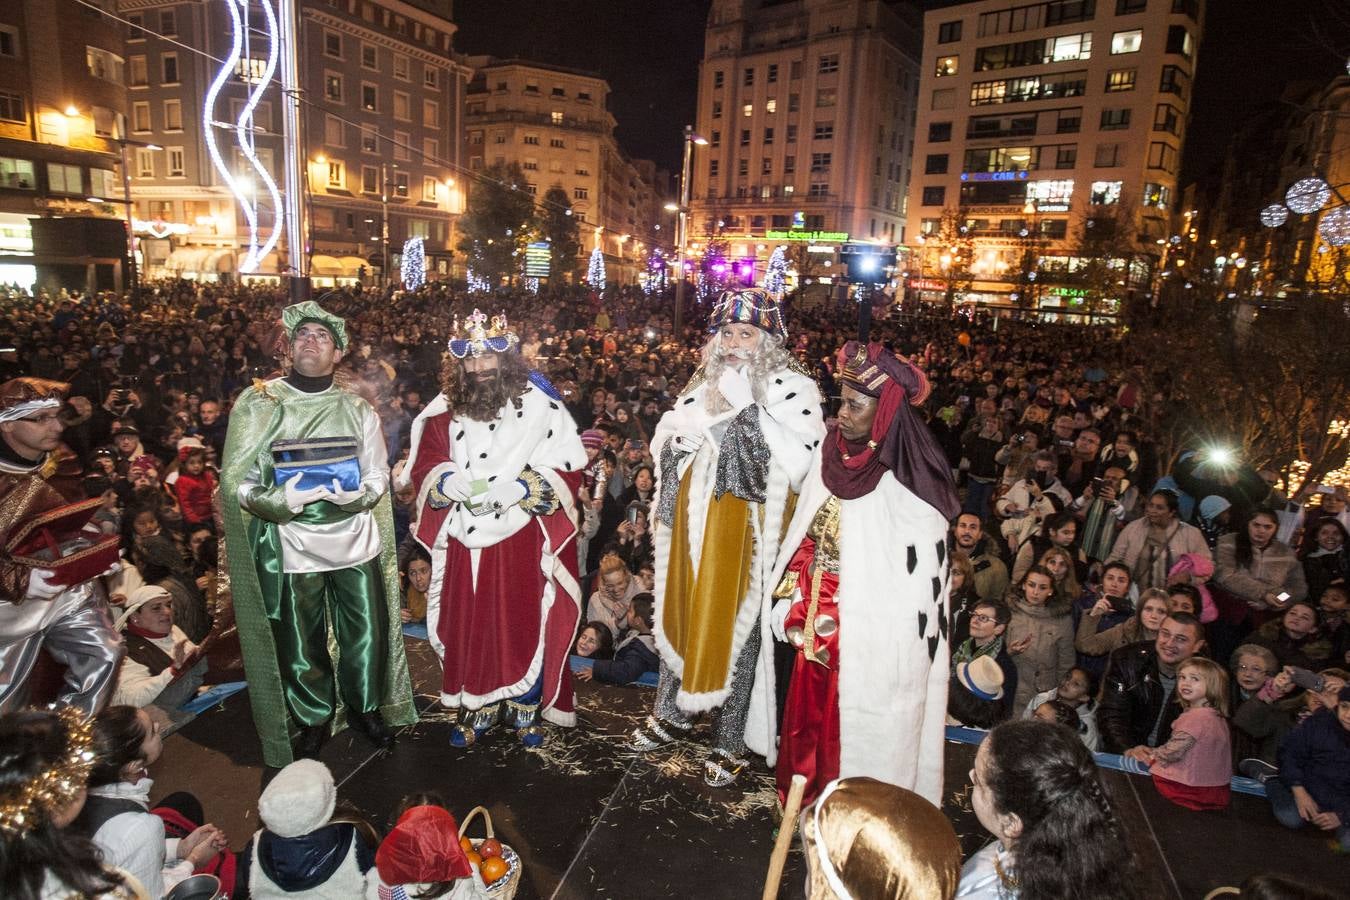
682, 225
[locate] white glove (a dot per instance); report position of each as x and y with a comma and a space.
778, 618
396, 474
504, 494
342, 498
456, 486
735, 387
298, 498
111, 570
39, 588
688, 441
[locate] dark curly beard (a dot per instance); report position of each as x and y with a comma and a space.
482, 401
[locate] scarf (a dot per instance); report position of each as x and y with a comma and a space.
969, 651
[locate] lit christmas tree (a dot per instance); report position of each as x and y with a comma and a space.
775, 276
476, 282
414, 268
595, 272
654, 278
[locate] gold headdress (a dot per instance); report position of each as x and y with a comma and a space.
23, 806
481, 335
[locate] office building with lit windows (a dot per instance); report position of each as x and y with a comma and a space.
808, 110
1049, 133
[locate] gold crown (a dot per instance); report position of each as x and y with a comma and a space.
479, 335
23, 806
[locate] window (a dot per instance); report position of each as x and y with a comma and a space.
104, 65
935, 164
1174, 81
429, 188
748, 78
1167, 117
63, 179
531, 87
748, 110
530, 164
401, 144
558, 92
140, 116
818, 189
336, 174
1031, 87
1157, 195
431, 78
1057, 192
712, 168
370, 180
949, 32
332, 132
173, 115
1118, 80
1162, 156
332, 44
138, 74
742, 167
175, 157
1109, 156
771, 105
766, 166
792, 134
718, 78
1179, 41
9, 41
1113, 119
168, 23
820, 162
828, 63
431, 114
17, 174
1069, 121
583, 96
794, 102
939, 132
1105, 193
1126, 41
145, 162
768, 135
947, 65
531, 139
1066, 156
745, 137
370, 139
717, 109
400, 67
772, 75
824, 131
557, 143
715, 139
581, 193
1125, 7
934, 196
370, 100
400, 184
789, 165
944, 98
168, 68
498, 138
332, 87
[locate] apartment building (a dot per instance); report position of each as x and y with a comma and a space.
383, 95
1039, 122
62, 113
808, 108
555, 123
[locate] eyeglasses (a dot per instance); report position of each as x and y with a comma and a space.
41, 420
982, 618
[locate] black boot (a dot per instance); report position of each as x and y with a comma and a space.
372, 725
310, 741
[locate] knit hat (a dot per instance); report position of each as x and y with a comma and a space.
139, 597
297, 314
982, 677
750, 306
1212, 506
422, 848
299, 800
592, 439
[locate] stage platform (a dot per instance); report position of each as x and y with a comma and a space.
593, 819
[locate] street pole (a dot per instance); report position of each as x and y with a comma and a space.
683, 227
133, 279
297, 213
384, 225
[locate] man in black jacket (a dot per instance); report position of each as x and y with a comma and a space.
1136, 711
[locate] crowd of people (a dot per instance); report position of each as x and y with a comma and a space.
1183, 613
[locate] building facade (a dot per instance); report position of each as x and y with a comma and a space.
555, 123
62, 117
380, 144
1050, 134
808, 110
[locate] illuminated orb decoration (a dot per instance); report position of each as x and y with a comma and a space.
242, 31
1335, 227
413, 271
1307, 195
1274, 215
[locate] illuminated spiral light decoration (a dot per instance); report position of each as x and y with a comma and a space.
1335, 227
413, 271
1274, 215
1307, 195
240, 31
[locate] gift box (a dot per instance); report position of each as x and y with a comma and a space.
56, 540
318, 461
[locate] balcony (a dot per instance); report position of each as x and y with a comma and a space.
543, 120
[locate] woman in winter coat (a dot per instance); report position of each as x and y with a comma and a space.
1251, 571
1142, 626
1040, 636
1327, 560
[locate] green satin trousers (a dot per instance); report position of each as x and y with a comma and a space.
352, 602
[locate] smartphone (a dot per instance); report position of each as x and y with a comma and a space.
1282, 596
633, 515
1097, 484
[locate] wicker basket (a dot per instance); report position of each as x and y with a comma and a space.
503, 888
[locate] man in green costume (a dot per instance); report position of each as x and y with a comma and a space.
311, 550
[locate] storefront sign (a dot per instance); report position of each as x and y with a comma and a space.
537, 258
995, 176
811, 236
158, 228
927, 284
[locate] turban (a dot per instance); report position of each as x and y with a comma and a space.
20, 397
297, 314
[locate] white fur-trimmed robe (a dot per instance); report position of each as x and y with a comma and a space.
791, 422
892, 695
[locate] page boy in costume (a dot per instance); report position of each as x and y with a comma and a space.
732, 454
497, 465
313, 542
863, 585
66, 611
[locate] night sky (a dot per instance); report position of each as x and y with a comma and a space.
649, 51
